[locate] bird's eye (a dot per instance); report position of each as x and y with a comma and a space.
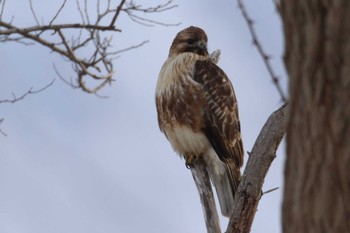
191, 41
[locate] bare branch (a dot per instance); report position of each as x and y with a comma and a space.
20, 40
117, 12
2, 3
69, 83
29, 92
270, 191
129, 48
131, 7
86, 12
33, 12
261, 51
98, 65
201, 178
13, 30
58, 12
215, 56
161, 7
277, 5
81, 12
249, 191
1, 131
142, 20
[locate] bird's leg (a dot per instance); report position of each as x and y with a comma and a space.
190, 160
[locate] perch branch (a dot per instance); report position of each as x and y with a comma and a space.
249, 191
201, 178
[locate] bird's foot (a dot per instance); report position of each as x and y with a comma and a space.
189, 165
190, 161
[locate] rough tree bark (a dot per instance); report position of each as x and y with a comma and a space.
317, 57
249, 191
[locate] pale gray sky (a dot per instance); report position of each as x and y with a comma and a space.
75, 163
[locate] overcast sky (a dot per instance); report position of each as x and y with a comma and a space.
76, 163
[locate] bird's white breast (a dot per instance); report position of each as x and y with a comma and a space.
176, 68
177, 74
185, 141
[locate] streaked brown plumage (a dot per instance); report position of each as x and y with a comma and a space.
198, 113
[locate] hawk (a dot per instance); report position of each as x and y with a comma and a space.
198, 113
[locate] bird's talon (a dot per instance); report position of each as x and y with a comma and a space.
189, 165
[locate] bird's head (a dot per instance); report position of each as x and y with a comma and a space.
191, 39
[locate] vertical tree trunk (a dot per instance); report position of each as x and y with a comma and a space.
317, 172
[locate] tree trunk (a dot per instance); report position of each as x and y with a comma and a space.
317, 172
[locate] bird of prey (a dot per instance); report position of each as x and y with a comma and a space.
198, 113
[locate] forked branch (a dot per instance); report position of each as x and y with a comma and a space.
249, 191
92, 34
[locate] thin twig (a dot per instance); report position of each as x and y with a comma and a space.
270, 190
86, 11
161, 7
117, 12
1, 131
129, 48
20, 40
29, 92
277, 5
71, 84
2, 8
142, 20
33, 12
81, 12
261, 51
13, 29
215, 56
58, 12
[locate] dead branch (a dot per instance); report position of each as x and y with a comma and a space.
269, 191
33, 12
2, 3
29, 92
201, 178
131, 7
98, 66
14, 30
1, 131
58, 12
117, 12
266, 58
249, 191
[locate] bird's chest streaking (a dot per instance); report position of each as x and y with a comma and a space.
180, 104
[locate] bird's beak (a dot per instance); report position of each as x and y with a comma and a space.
202, 44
